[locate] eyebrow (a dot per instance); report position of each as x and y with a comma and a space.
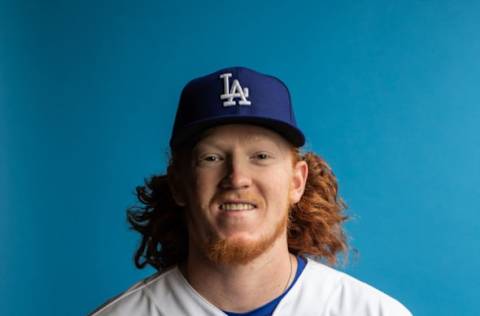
248, 141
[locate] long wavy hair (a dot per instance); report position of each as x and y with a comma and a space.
314, 228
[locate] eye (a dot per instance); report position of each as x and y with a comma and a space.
262, 156
209, 159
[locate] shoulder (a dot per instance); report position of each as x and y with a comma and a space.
337, 293
137, 299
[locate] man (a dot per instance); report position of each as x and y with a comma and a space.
234, 226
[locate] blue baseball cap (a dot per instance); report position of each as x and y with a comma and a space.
235, 95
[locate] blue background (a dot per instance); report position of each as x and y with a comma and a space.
386, 91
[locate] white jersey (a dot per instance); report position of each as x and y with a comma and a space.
320, 291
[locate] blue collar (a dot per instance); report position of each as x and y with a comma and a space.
268, 308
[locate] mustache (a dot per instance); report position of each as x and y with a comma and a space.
245, 197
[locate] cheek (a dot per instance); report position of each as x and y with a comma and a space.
278, 191
201, 191
204, 185
198, 182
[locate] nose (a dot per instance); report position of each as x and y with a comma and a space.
237, 174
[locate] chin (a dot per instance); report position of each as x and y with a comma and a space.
234, 250
241, 247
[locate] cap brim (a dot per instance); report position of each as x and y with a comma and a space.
193, 131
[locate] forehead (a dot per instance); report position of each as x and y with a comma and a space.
243, 134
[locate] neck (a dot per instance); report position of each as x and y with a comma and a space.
241, 288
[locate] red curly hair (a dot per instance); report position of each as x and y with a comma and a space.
314, 225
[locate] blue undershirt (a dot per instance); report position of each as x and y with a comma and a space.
268, 308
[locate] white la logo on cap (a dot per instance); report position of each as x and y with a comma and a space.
235, 91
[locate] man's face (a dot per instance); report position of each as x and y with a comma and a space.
237, 190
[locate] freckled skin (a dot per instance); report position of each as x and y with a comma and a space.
239, 163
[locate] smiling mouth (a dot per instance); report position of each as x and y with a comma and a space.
237, 206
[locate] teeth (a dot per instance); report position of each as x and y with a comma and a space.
237, 206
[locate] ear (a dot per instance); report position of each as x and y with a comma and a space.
299, 180
176, 189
